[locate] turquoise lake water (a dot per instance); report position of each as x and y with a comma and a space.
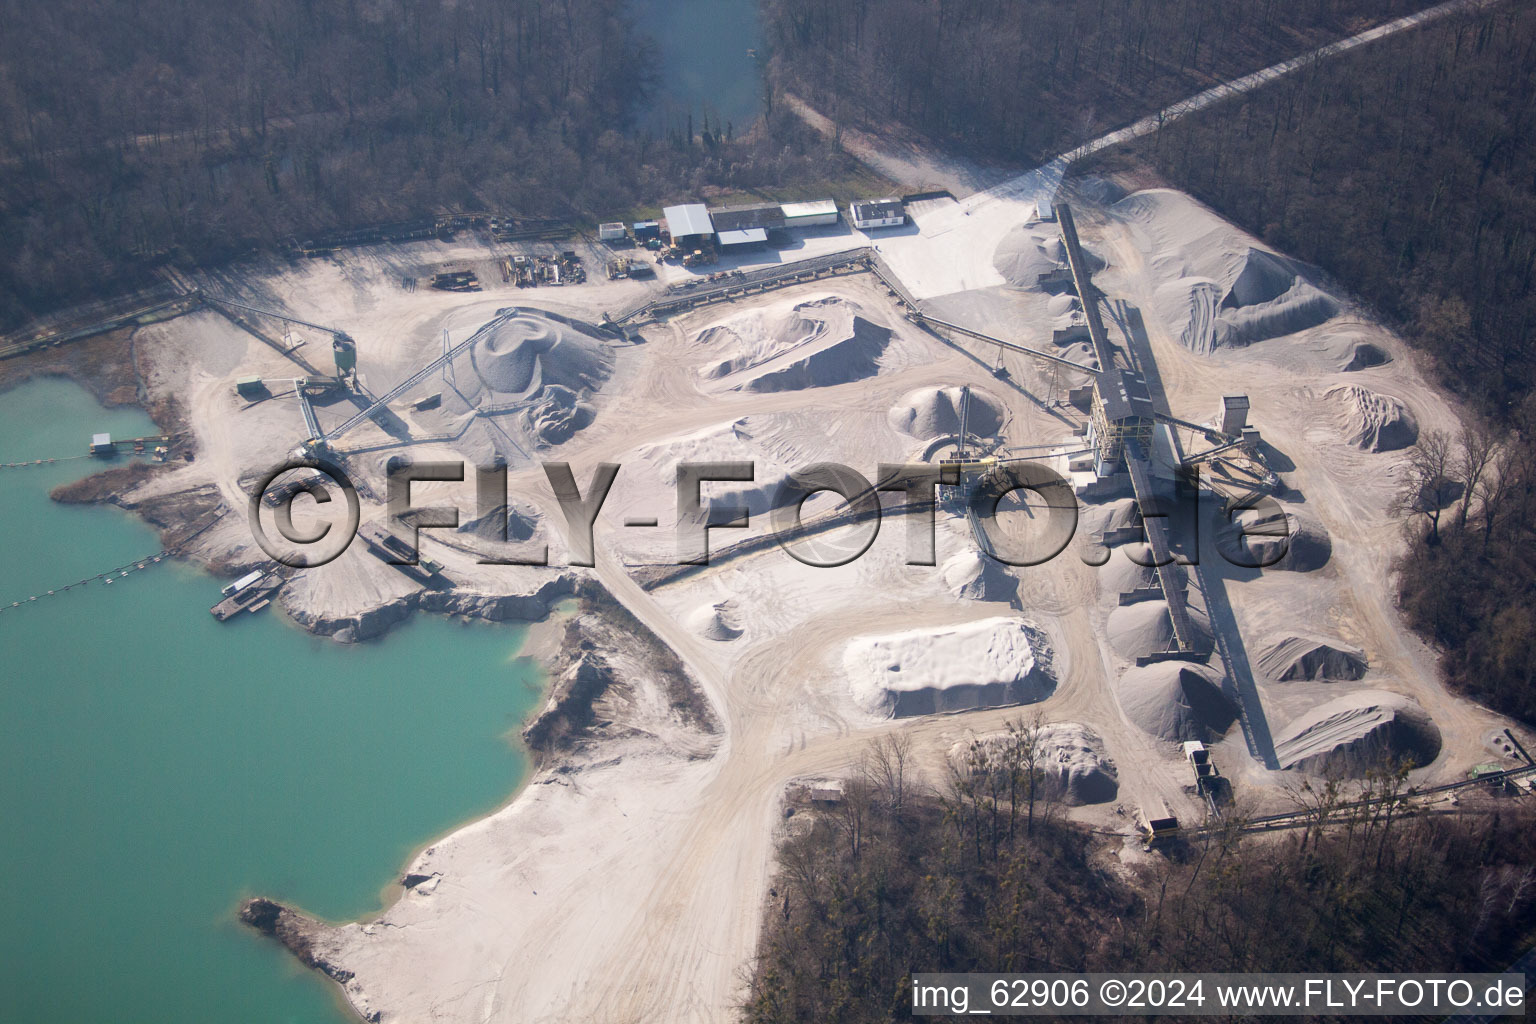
156, 766
705, 66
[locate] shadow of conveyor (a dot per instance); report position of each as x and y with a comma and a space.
1228, 639
1210, 568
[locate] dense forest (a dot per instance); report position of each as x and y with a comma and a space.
1019, 81
984, 875
132, 134
1469, 579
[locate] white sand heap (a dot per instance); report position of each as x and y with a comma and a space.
1218, 288
1069, 330
1028, 251
1299, 656
990, 663
1076, 765
1121, 575
718, 621
1188, 306
975, 577
1070, 756
528, 351
1261, 277
1145, 628
1176, 700
1252, 296
812, 344
1363, 355
1297, 308
1278, 539
928, 413
1109, 518
1347, 351
1064, 304
520, 523
1372, 422
1355, 733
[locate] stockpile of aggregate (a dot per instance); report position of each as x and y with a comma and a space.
1357, 733
1372, 422
1176, 700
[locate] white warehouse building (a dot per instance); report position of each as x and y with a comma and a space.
877, 213
809, 215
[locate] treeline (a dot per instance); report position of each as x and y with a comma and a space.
1023, 80
1405, 169
172, 130
1468, 583
897, 879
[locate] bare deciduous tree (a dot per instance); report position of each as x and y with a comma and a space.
887, 767
1428, 486
1476, 450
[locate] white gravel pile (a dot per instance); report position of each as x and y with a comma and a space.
718, 621
1358, 732
1108, 518
820, 343
1120, 575
556, 413
973, 576
990, 663
1214, 295
1274, 540
527, 352
1347, 350
928, 413
1144, 628
1372, 422
1027, 251
1177, 701
1300, 656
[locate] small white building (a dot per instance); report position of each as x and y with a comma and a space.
612, 231
810, 215
1044, 210
242, 583
877, 213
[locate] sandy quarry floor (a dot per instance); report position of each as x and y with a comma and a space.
627, 884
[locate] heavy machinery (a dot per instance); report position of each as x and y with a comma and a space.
456, 281
1156, 822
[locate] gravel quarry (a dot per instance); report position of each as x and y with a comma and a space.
626, 880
